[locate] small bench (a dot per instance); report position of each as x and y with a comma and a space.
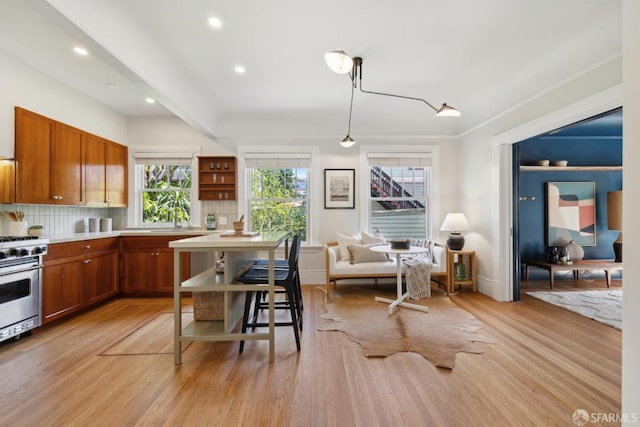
576, 267
341, 269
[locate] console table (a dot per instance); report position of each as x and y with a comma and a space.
576, 267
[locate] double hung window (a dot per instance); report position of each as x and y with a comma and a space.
277, 189
399, 201
165, 193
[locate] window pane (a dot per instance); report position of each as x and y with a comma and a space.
278, 200
279, 216
166, 196
398, 201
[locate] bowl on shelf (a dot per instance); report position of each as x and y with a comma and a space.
560, 163
541, 163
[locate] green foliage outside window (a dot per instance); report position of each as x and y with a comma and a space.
278, 200
166, 197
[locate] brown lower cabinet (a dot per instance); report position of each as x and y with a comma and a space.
147, 265
77, 275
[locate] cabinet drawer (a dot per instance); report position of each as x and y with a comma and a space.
138, 242
71, 249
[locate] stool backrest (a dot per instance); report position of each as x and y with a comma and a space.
294, 254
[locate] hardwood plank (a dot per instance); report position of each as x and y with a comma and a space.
545, 363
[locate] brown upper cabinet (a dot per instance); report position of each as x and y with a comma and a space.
59, 164
106, 172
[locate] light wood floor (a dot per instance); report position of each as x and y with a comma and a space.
545, 363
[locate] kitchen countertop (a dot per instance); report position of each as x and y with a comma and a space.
75, 237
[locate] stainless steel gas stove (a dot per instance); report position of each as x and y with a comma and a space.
20, 284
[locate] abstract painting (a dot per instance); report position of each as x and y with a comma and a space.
571, 213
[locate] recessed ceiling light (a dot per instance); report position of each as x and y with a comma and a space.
81, 51
215, 22
240, 69
150, 100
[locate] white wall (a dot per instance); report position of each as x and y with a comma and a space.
631, 176
21, 86
479, 189
162, 131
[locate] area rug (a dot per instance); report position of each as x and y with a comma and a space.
153, 337
605, 306
437, 335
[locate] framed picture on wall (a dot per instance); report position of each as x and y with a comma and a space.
571, 213
339, 189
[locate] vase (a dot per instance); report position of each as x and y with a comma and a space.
576, 253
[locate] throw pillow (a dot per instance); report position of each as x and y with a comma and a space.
362, 253
344, 241
368, 239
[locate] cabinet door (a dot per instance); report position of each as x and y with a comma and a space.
61, 290
116, 164
101, 276
67, 160
33, 138
138, 270
95, 160
164, 269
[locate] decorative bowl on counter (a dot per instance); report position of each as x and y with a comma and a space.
36, 230
238, 227
399, 243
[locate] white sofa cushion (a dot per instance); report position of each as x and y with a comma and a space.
344, 242
363, 253
368, 239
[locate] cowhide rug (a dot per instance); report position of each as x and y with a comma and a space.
437, 335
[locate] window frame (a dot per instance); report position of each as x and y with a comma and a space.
429, 153
314, 187
164, 155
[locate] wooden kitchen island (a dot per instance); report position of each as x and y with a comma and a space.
239, 254
576, 267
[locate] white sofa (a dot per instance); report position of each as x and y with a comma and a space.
342, 269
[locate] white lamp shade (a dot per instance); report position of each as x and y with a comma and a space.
614, 210
455, 222
447, 111
347, 142
338, 61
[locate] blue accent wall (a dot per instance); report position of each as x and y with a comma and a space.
579, 152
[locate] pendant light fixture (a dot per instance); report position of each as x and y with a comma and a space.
348, 142
338, 61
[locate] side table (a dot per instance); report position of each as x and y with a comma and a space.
465, 263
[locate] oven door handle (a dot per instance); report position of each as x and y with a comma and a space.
19, 269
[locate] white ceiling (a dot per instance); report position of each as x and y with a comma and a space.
483, 57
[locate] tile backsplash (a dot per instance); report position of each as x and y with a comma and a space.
58, 220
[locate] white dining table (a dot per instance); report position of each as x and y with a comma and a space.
400, 297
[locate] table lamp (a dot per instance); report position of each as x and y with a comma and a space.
614, 220
455, 223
